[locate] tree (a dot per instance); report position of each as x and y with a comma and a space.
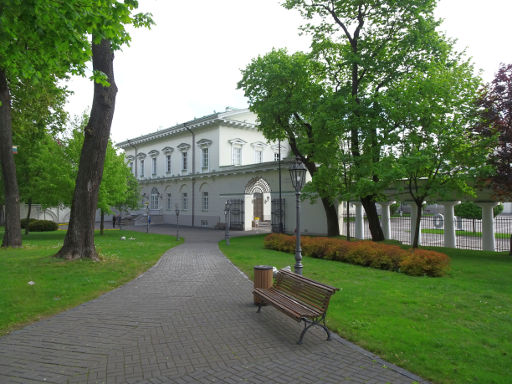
116, 185
108, 35
38, 114
368, 46
41, 40
285, 93
495, 103
437, 154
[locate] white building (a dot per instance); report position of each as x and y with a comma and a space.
198, 165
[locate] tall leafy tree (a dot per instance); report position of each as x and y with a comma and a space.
41, 40
367, 46
495, 105
108, 35
38, 114
437, 154
286, 94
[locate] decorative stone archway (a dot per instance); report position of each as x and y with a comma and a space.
257, 201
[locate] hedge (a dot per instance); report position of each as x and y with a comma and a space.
43, 226
25, 221
366, 253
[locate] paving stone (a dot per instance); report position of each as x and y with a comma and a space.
189, 319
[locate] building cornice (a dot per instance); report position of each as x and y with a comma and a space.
205, 121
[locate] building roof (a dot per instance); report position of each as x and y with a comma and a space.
228, 117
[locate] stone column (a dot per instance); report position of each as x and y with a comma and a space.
359, 221
449, 224
386, 218
341, 221
488, 242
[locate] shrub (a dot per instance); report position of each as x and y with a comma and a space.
365, 253
422, 262
43, 226
25, 221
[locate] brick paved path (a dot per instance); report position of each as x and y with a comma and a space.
190, 319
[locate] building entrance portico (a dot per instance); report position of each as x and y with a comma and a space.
257, 201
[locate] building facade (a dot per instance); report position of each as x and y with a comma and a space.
197, 166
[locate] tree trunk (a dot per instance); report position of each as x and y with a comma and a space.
27, 229
333, 225
373, 218
79, 240
348, 220
102, 222
12, 235
416, 240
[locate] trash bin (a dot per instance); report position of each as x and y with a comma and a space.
263, 278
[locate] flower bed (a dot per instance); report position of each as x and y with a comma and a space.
417, 262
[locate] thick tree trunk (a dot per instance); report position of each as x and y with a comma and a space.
12, 235
27, 229
79, 240
333, 225
373, 218
416, 240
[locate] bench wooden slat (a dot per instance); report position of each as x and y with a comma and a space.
301, 298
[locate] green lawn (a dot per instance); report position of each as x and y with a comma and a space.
465, 233
454, 329
64, 284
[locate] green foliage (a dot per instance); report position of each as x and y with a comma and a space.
365, 253
469, 210
453, 330
25, 221
43, 226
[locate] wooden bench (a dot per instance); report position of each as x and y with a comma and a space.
300, 298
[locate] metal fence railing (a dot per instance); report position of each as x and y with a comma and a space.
468, 231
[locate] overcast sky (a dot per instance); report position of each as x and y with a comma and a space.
189, 63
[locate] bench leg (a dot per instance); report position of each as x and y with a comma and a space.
259, 307
308, 324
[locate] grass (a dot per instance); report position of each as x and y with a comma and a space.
59, 284
455, 329
465, 233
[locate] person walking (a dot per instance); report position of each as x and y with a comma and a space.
113, 221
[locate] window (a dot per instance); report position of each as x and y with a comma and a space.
184, 168
276, 156
169, 202
130, 165
204, 158
168, 163
185, 201
204, 202
259, 156
154, 199
237, 156
153, 160
141, 168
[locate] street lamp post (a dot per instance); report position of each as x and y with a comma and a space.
227, 220
298, 176
147, 218
177, 223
